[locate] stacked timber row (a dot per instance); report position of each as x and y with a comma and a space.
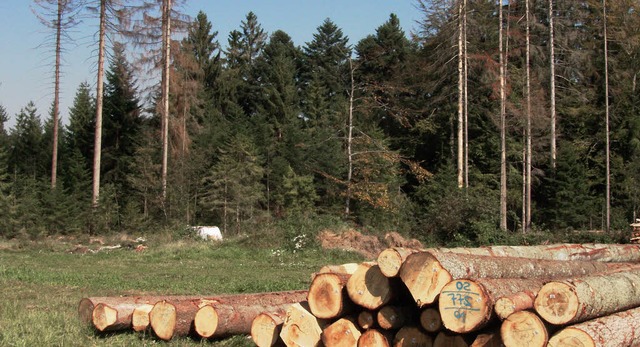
552, 295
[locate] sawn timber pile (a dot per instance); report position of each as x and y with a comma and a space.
551, 295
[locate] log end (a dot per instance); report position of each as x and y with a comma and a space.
205, 321
265, 330
424, 276
390, 261
369, 288
409, 336
448, 339
300, 327
162, 319
557, 303
140, 317
103, 317
366, 320
85, 310
342, 333
571, 337
430, 320
464, 306
524, 328
373, 337
326, 296
391, 317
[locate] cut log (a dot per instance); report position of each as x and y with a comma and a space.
140, 317
169, 319
328, 297
265, 328
487, 340
583, 252
425, 273
430, 320
393, 317
524, 328
123, 304
618, 329
300, 327
449, 339
391, 259
347, 269
587, 297
235, 315
368, 287
366, 319
509, 304
341, 333
467, 305
375, 338
409, 336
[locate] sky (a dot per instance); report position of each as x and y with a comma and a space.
26, 49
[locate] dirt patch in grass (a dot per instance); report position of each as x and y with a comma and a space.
367, 245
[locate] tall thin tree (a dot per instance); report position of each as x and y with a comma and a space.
166, 70
552, 84
59, 15
460, 130
606, 121
97, 143
527, 219
503, 122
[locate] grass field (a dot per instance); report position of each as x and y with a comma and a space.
42, 284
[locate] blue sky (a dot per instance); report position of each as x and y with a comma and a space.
26, 65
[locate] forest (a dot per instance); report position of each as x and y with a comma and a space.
491, 118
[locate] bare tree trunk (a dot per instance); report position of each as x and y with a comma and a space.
527, 220
349, 141
460, 100
97, 142
466, 96
56, 96
503, 127
606, 100
552, 67
166, 42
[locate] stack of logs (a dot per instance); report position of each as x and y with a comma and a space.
555, 295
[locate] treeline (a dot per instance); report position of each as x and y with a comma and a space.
261, 129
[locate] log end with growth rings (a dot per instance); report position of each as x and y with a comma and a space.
557, 303
430, 320
369, 288
390, 260
140, 317
342, 333
409, 336
524, 328
374, 338
326, 297
571, 337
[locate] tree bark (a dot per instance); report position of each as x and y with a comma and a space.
430, 320
369, 288
565, 251
606, 121
166, 70
328, 297
375, 338
412, 336
301, 328
503, 124
347, 269
619, 329
342, 333
587, 297
426, 273
467, 306
524, 328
